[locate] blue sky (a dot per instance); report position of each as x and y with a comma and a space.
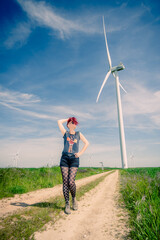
53, 62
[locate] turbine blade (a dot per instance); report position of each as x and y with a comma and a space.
105, 80
108, 54
122, 88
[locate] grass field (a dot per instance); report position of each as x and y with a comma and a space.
140, 189
23, 180
23, 224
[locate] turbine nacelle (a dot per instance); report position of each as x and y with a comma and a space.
118, 68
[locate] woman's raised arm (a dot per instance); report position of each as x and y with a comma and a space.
60, 124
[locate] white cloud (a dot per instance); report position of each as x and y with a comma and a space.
19, 35
44, 15
32, 106
29, 113
82, 112
41, 13
14, 100
17, 98
140, 105
121, 17
142, 102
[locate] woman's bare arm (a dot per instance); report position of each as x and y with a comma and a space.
60, 124
86, 143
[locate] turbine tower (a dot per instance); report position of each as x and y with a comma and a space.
114, 71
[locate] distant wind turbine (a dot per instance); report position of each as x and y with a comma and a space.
102, 165
114, 71
16, 158
132, 160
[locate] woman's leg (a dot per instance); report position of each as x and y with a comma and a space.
65, 176
72, 185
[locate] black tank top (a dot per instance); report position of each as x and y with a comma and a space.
71, 143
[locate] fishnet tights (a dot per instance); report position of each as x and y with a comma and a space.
68, 175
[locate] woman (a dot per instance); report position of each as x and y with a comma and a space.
69, 162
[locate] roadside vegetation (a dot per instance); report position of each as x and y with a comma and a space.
140, 189
23, 180
25, 223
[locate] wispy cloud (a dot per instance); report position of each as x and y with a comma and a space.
64, 25
17, 98
68, 110
140, 108
29, 113
43, 14
19, 35
121, 17
141, 101
31, 105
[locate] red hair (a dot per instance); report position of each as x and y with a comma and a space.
73, 120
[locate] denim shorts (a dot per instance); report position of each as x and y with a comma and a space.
69, 160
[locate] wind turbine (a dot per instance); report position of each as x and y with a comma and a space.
16, 158
102, 165
114, 71
132, 160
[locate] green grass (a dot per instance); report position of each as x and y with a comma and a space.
140, 189
23, 224
23, 180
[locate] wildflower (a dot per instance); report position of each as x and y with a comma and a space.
139, 217
158, 175
149, 179
137, 202
143, 198
150, 208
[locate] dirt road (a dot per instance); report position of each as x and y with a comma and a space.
98, 216
20, 201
